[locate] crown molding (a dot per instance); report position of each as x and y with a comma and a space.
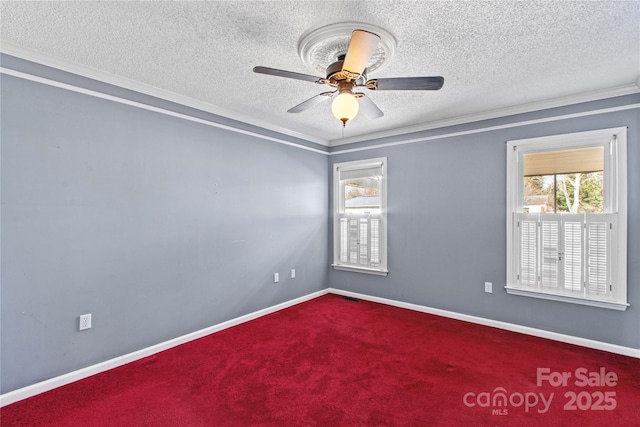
21, 52
596, 95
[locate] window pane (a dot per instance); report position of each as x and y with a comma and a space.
564, 181
574, 193
362, 195
539, 194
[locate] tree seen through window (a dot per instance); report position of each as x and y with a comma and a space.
569, 180
572, 193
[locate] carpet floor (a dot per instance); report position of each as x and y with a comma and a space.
335, 362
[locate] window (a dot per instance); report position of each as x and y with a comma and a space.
567, 218
360, 216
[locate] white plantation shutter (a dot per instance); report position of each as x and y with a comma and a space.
363, 241
375, 240
572, 261
550, 250
527, 233
353, 240
598, 247
344, 239
360, 240
566, 253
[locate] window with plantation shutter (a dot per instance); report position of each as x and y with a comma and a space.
566, 204
360, 216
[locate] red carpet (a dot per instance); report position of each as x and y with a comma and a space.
334, 362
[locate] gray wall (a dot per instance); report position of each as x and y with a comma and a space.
160, 226
447, 226
156, 225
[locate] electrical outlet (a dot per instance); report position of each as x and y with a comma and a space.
487, 287
276, 277
85, 321
293, 273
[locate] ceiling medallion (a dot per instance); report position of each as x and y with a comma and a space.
321, 48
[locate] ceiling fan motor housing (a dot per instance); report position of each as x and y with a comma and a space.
335, 74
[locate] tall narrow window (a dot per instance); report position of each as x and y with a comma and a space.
567, 215
360, 214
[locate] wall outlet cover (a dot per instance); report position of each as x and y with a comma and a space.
488, 287
85, 322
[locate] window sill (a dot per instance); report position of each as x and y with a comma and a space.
377, 272
613, 305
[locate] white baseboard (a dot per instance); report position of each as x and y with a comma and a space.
584, 342
41, 387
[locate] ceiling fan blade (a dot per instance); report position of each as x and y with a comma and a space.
361, 47
287, 74
406, 83
305, 105
368, 107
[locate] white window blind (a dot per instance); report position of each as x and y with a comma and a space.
374, 170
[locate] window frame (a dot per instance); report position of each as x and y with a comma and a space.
615, 202
339, 208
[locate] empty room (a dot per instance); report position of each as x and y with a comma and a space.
319, 213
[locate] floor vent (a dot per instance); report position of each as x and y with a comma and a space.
351, 299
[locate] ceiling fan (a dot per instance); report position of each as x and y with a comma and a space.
347, 75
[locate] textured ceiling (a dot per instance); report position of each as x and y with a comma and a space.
493, 55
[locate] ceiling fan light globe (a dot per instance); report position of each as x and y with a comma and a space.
345, 107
